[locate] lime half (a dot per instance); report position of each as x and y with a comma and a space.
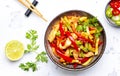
14, 50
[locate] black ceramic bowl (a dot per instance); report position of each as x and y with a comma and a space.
55, 59
109, 20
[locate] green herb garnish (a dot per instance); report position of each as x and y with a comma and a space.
32, 47
28, 65
32, 36
41, 57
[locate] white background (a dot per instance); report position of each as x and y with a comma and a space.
14, 26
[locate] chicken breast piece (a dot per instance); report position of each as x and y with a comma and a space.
74, 35
67, 44
52, 34
75, 54
89, 54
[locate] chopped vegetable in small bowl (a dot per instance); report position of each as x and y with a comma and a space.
75, 40
112, 12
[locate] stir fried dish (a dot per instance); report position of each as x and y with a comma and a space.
75, 40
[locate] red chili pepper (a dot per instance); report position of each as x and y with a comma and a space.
61, 28
72, 40
83, 60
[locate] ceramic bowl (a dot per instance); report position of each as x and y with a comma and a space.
54, 59
109, 20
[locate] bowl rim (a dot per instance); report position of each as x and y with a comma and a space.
108, 19
91, 64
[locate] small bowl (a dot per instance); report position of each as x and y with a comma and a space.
55, 59
112, 23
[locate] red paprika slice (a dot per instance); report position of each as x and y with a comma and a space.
72, 40
100, 43
60, 53
68, 59
80, 37
83, 60
61, 28
75, 65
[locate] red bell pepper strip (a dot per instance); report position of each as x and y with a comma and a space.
60, 53
68, 59
100, 43
52, 44
83, 60
80, 37
61, 28
75, 65
86, 40
72, 40
61, 39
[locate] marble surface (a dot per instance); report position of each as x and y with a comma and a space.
14, 25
